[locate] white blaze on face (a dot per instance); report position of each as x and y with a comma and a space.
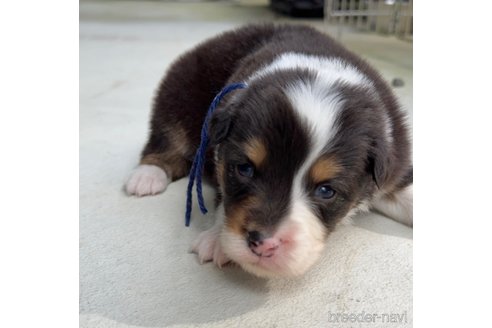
318, 107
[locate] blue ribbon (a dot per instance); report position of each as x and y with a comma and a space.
199, 161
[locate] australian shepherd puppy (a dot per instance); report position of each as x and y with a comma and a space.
316, 136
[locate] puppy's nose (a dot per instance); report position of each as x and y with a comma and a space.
255, 238
260, 245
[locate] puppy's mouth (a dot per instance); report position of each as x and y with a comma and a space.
265, 258
289, 252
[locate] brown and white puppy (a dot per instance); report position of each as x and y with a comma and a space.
316, 136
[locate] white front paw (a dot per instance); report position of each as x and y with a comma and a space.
207, 247
147, 180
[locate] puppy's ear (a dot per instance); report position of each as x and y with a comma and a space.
380, 164
220, 126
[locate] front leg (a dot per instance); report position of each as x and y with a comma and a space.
207, 245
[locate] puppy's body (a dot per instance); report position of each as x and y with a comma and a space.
316, 136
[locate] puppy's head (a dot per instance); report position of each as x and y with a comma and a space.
294, 156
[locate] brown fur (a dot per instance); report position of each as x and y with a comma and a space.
256, 151
234, 55
171, 159
237, 217
276, 139
220, 171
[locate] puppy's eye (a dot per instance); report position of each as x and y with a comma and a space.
325, 191
246, 170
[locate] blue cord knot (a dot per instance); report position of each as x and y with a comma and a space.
199, 161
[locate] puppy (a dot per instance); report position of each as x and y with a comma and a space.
315, 137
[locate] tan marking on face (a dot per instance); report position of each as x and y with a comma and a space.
236, 216
220, 169
256, 151
324, 169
